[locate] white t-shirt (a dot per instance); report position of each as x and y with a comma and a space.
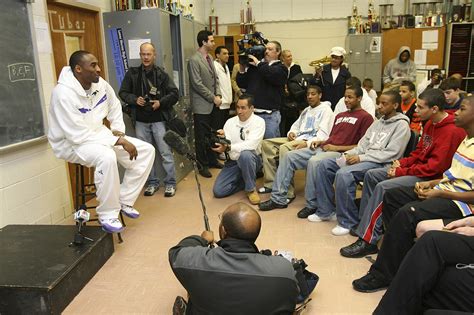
335, 73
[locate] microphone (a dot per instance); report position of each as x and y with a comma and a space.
81, 216
177, 143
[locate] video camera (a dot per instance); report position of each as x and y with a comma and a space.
212, 137
252, 44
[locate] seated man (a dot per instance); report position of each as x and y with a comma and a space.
399, 68
430, 159
450, 198
233, 278
314, 124
245, 132
452, 89
366, 102
436, 273
383, 142
79, 104
408, 106
349, 127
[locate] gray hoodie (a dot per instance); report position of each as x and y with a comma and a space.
397, 71
384, 141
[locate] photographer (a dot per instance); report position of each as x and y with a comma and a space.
152, 94
233, 278
266, 80
245, 132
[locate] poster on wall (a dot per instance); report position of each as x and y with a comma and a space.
375, 45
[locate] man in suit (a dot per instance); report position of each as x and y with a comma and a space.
205, 98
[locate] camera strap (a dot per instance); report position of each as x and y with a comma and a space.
149, 87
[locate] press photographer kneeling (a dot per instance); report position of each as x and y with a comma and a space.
233, 278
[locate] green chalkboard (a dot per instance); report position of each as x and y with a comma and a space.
21, 114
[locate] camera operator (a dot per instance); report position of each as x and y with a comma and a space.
266, 80
245, 132
151, 93
233, 278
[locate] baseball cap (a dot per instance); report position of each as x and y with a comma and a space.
338, 51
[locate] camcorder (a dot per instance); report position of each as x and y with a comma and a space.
211, 137
252, 44
307, 280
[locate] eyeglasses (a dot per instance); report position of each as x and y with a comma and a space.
242, 135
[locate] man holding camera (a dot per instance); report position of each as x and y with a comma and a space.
205, 96
245, 132
266, 80
248, 282
151, 92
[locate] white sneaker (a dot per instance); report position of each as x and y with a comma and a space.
130, 212
315, 218
111, 225
339, 230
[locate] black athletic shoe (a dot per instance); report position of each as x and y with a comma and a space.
358, 249
371, 282
217, 165
270, 205
305, 212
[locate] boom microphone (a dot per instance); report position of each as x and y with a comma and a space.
177, 143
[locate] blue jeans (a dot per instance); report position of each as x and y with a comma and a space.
272, 124
238, 175
289, 163
376, 183
154, 132
345, 181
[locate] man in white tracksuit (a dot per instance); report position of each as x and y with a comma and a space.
79, 104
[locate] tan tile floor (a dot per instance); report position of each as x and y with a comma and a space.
137, 279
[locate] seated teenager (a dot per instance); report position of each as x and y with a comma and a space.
383, 142
436, 273
408, 106
452, 89
366, 102
430, 159
245, 132
314, 123
450, 198
349, 127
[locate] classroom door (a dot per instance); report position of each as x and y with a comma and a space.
75, 28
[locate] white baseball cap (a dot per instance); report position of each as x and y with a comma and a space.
338, 51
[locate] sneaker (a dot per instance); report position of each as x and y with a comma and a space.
358, 249
315, 218
305, 212
217, 165
289, 200
254, 198
170, 190
270, 205
353, 232
179, 306
111, 225
130, 212
264, 190
371, 282
151, 190
339, 230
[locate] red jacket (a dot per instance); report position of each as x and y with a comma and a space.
434, 151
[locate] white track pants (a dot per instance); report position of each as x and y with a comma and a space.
110, 193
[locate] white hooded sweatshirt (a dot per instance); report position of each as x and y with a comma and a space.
77, 118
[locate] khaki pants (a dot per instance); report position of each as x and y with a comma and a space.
271, 148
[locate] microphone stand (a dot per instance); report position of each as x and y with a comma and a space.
203, 206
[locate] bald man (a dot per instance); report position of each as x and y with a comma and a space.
233, 278
151, 95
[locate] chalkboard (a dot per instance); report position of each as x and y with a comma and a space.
21, 113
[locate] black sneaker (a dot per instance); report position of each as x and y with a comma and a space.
371, 282
305, 212
358, 249
264, 190
205, 172
270, 205
353, 232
